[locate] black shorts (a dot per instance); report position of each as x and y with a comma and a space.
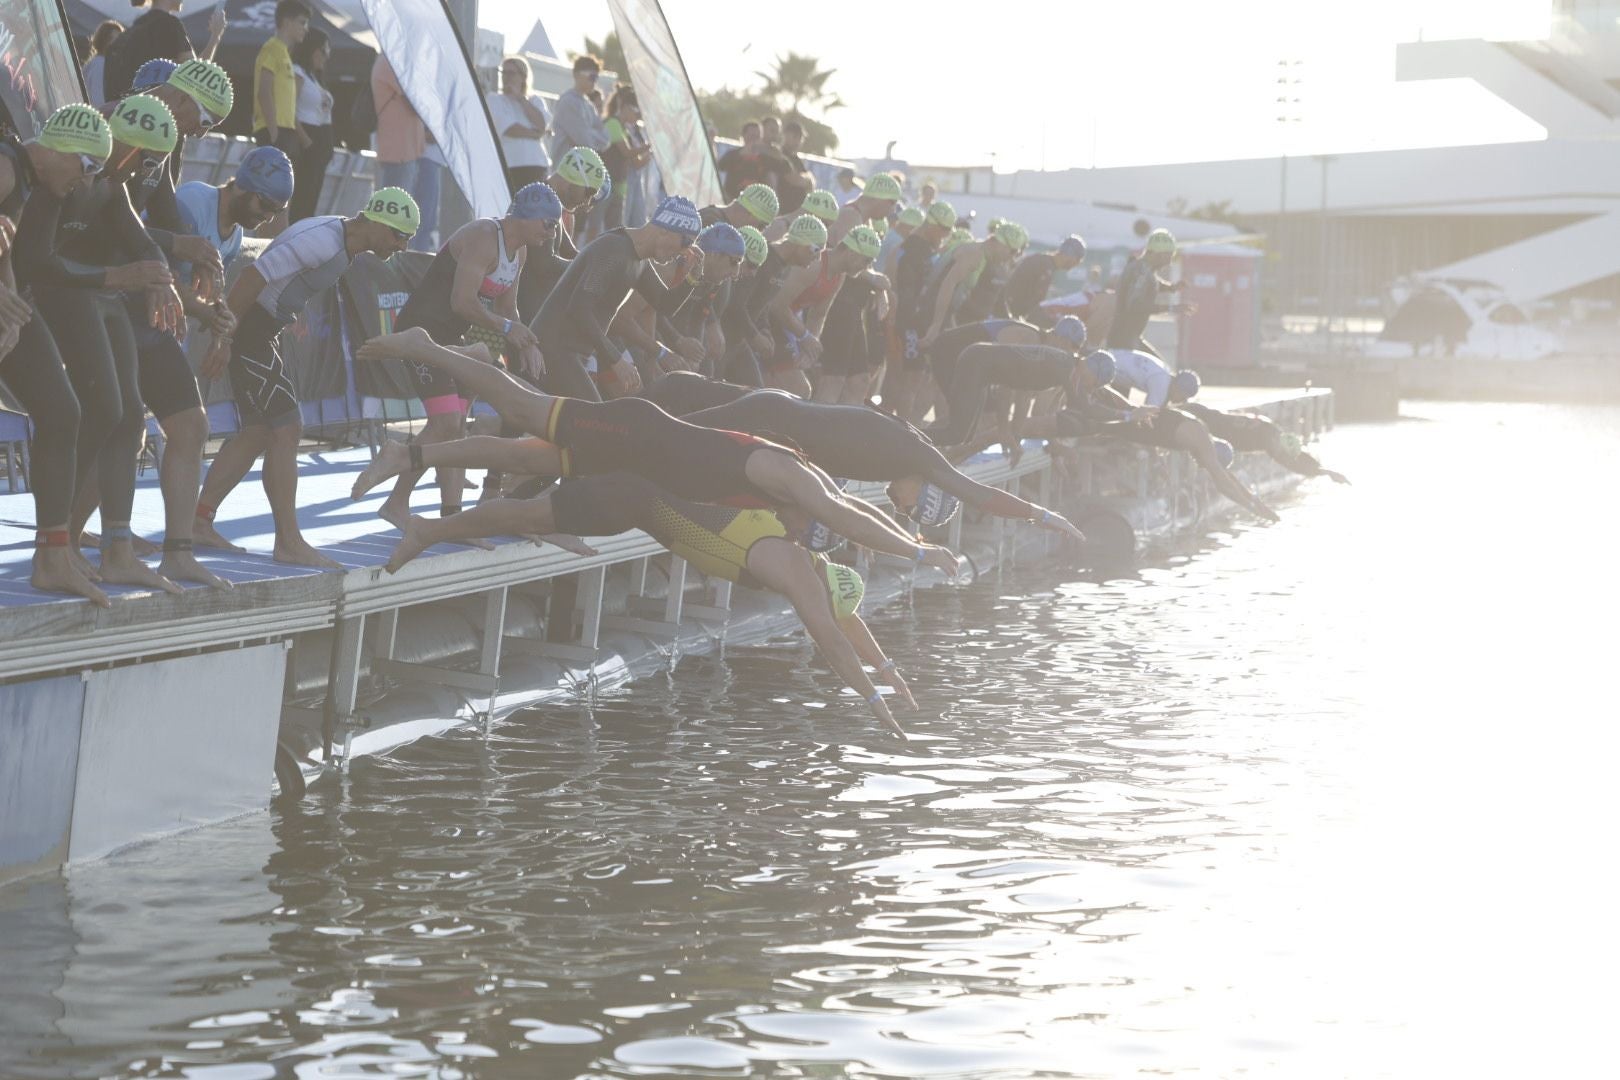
261, 385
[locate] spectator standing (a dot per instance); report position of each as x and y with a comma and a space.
314, 121
746, 164
275, 86
848, 187
157, 35
627, 153
927, 195
575, 121
795, 181
402, 151
522, 120
95, 68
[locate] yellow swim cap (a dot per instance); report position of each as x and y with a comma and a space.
821, 203
882, 186
760, 201
755, 247
394, 207
207, 84
911, 217
942, 213
844, 586
77, 129
809, 231
143, 121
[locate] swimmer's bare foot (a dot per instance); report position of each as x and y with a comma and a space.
82, 564
413, 544
300, 552
204, 535
119, 566
391, 460
54, 571
183, 566
404, 345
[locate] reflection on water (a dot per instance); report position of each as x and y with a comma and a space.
1327, 798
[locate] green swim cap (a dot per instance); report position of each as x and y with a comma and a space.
942, 213
1161, 242
1014, 235
760, 201
821, 203
809, 231
582, 166
912, 217
863, 240
956, 239
394, 207
844, 586
882, 186
1291, 443
143, 121
77, 129
755, 247
207, 84
881, 227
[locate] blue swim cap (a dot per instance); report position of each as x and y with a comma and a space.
266, 171
1224, 453
721, 239
536, 202
1072, 330
935, 505
1184, 385
678, 215
1072, 247
152, 73
1101, 366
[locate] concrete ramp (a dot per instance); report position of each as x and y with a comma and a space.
1548, 263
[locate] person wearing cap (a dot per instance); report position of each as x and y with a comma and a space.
820, 204
985, 298
578, 179
71, 147
1031, 280
572, 322
852, 335
1136, 297
754, 327
854, 442
470, 288
754, 205
960, 270
1068, 334
1145, 372
874, 203
751, 547
699, 294
1254, 433
912, 267
630, 434
301, 263
91, 247
1028, 369
906, 222
800, 309
740, 361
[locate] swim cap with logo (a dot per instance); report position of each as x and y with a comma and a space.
881, 227
582, 166
1072, 248
1102, 367
808, 231
144, 122
536, 202
1161, 242
207, 84
821, 203
935, 505
1224, 453
760, 201
393, 207
77, 129
266, 171
845, 587
911, 217
1184, 385
863, 240
882, 186
942, 213
722, 239
756, 249
677, 214
1071, 330
154, 72
1014, 235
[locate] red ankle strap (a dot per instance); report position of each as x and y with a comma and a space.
52, 538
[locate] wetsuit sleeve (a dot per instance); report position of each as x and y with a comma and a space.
126, 224
979, 496
596, 280
652, 289
37, 252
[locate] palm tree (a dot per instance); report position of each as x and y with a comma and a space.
800, 80
610, 52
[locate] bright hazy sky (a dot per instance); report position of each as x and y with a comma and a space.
1104, 82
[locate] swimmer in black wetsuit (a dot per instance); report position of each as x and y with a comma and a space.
856, 442
1028, 368
1031, 280
749, 547
579, 438
1259, 434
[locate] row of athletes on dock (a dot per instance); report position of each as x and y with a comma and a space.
665, 371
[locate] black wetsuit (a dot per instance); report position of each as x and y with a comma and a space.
910, 284
855, 442
572, 322
749, 314
33, 372
1137, 299
1256, 434
846, 343
943, 353
984, 299
1029, 284
682, 392
1017, 367
168, 385
633, 435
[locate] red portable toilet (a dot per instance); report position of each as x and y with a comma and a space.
1224, 281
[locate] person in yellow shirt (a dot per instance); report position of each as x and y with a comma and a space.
275, 87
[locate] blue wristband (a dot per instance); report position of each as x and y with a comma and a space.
922, 553
877, 696
507, 329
